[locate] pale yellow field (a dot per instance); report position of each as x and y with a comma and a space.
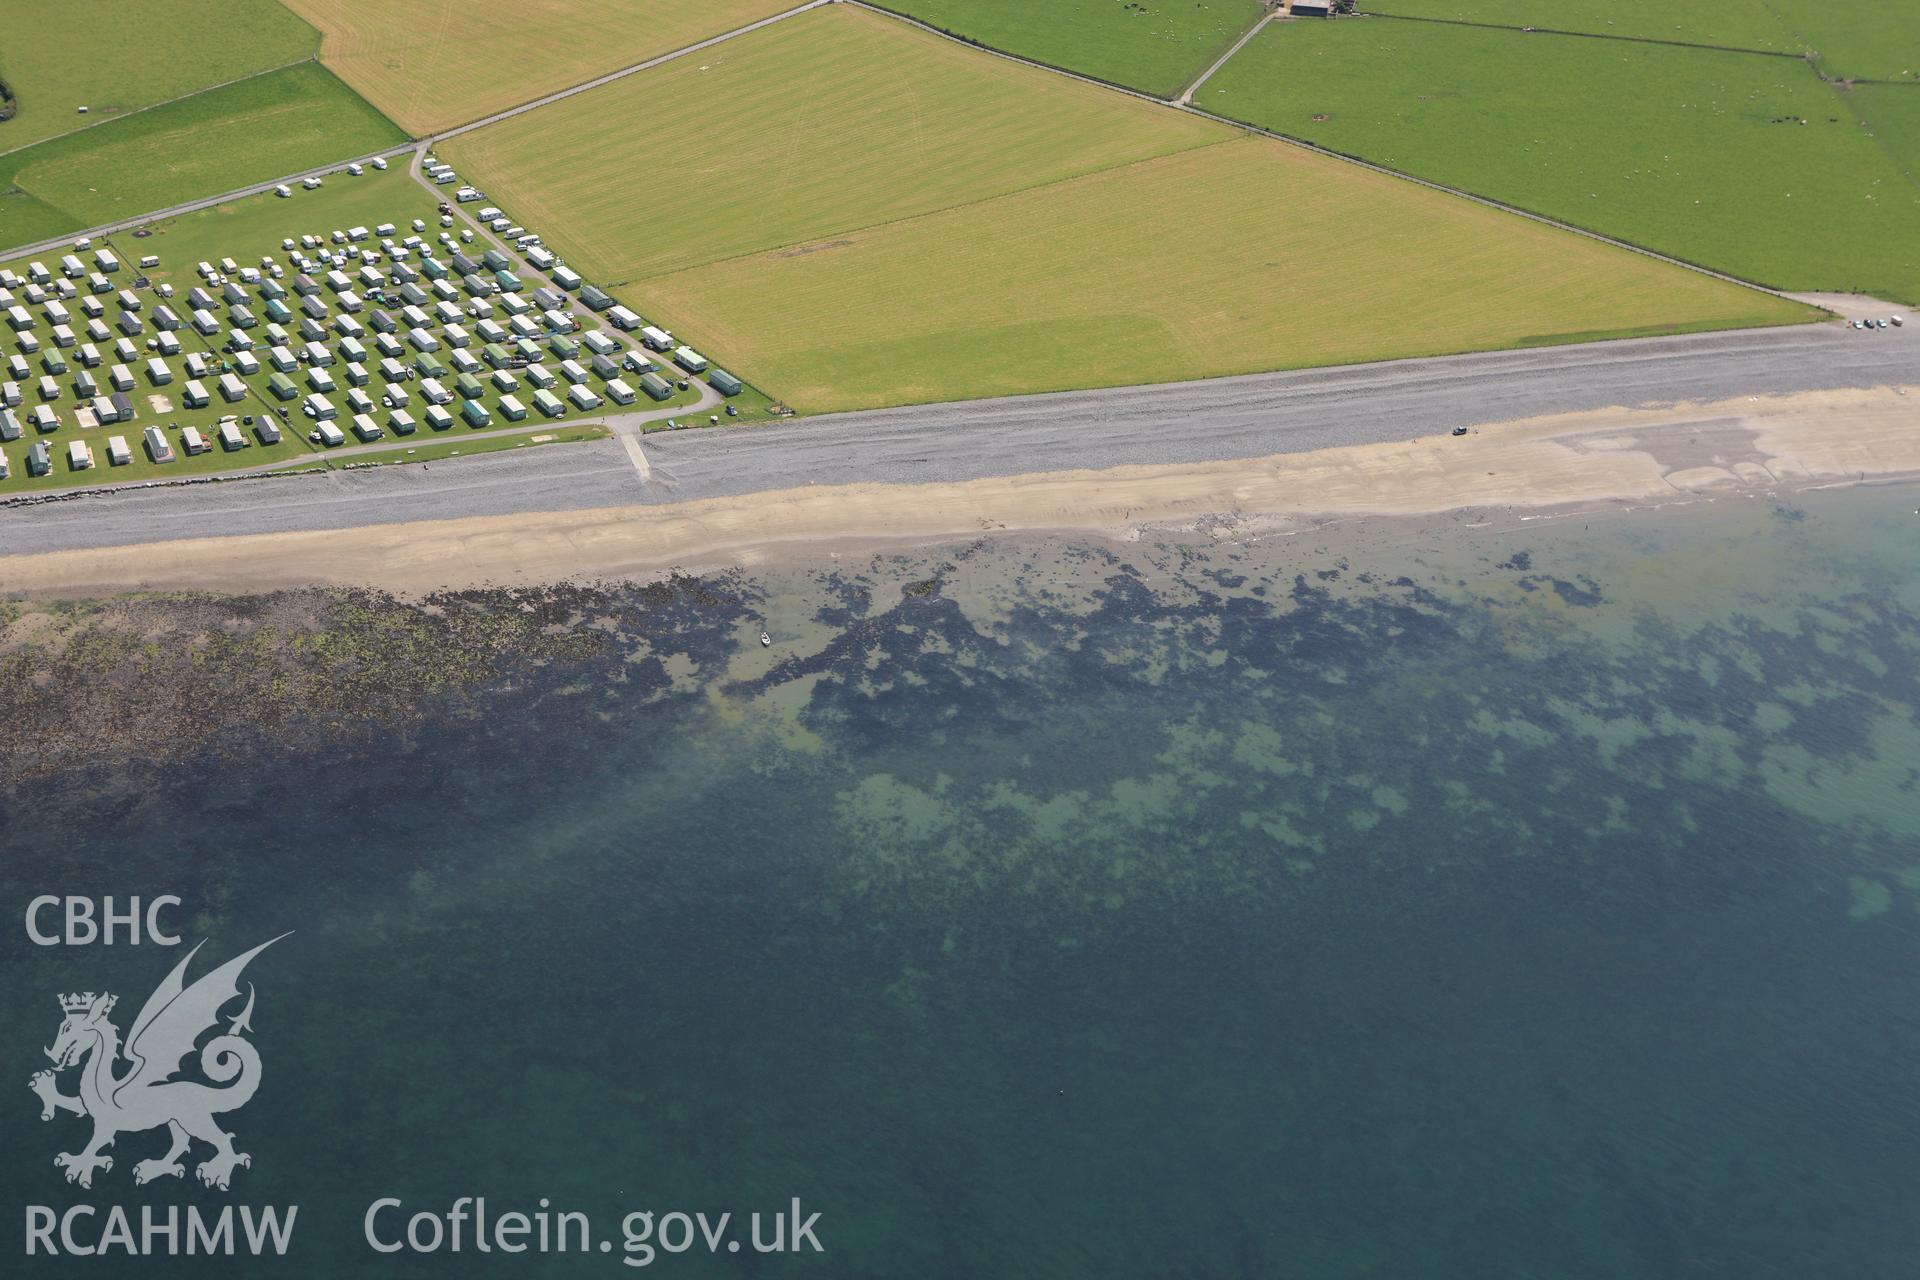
1248, 256
432, 64
835, 119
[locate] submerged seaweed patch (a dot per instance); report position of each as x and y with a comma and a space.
153, 678
1290, 723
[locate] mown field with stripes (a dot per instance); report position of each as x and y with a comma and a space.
926, 222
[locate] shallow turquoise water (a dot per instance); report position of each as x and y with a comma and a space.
1389, 901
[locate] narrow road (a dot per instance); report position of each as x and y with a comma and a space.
1186, 98
1220, 420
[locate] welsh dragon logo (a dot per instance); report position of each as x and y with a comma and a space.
146, 1095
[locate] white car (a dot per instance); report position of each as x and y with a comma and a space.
355, 170
311, 184
379, 162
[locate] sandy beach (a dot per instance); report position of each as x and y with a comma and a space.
1754, 445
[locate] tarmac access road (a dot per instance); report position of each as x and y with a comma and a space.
1218, 420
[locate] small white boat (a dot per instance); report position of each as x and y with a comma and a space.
766, 641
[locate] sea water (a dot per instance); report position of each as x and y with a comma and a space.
1386, 899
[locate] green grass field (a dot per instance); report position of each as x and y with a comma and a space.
431, 64
115, 57
1157, 48
1868, 39
279, 123
1892, 113
1695, 153
1860, 39
25, 220
1172, 269
892, 122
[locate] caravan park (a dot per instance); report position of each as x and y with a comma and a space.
233, 344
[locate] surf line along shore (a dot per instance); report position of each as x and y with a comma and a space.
1752, 445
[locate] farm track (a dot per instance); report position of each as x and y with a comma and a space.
1186, 95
